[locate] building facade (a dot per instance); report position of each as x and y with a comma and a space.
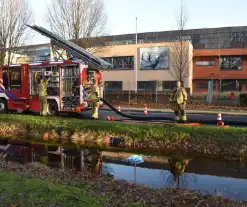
227, 68
152, 65
219, 54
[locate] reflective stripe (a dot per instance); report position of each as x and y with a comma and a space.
184, 118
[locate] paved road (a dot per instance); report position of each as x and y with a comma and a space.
204, 117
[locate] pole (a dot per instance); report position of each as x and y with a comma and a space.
136, 60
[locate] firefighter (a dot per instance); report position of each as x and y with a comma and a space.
178, 101
177, 166
43, 95
95, 96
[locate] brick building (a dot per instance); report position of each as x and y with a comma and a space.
218, 53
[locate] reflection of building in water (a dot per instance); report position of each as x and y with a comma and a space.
73, 159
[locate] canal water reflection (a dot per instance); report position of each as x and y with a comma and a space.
209, 176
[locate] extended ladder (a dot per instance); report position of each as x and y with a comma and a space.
77, 52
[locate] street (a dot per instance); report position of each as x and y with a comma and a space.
191, 117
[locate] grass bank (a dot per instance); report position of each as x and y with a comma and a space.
204, 140
38, 185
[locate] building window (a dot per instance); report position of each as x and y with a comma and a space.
198, 39
113, 85
15, 77
205, 63
123, 62
230, 85
146, 85
202, 85
237, 37
168, 85
231, 62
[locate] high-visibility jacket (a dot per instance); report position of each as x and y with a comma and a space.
95, 92
43, 87
179, 95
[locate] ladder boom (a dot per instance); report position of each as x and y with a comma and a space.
72, 48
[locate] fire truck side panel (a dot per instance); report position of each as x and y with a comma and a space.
25, 87
3, 82
48, 70
14, 78
69, 86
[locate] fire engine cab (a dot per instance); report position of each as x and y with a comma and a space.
68, 90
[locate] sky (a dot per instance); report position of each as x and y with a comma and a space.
157, 15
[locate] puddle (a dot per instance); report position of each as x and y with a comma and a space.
209, 176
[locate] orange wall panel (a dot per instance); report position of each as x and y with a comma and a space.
203, 72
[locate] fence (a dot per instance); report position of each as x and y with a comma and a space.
138, 98
161, 98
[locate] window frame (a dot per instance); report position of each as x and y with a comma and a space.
144, 89
171, 84
205, 61
111, 61
237, 88
111, 89
230, 60
206, 85
14, 69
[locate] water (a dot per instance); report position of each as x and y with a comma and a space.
209, 176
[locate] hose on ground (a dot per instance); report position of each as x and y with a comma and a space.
154, 118
137, 118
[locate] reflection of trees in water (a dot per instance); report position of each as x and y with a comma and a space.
175, 176
92, 162
180, 181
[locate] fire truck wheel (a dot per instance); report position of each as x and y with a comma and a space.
52, 108
3, 106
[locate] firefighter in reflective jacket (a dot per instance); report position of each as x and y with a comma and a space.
177, 166
43, 95
95, 96
178, 101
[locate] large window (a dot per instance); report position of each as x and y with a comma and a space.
231, 62
113, 85
146, 85
121, 63
205, 63
15, 77
230, 85
202, 85
168, 85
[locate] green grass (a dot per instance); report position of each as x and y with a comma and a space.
18, 190
162, 134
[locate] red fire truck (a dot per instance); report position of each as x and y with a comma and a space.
67, 92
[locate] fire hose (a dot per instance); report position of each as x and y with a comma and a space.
163, 118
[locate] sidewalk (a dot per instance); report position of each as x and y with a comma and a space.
188, 111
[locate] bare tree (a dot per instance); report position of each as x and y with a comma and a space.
181, 58
14, 14
82, 21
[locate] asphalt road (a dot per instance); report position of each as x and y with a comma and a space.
204, 117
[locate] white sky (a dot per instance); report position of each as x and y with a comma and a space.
158, 15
